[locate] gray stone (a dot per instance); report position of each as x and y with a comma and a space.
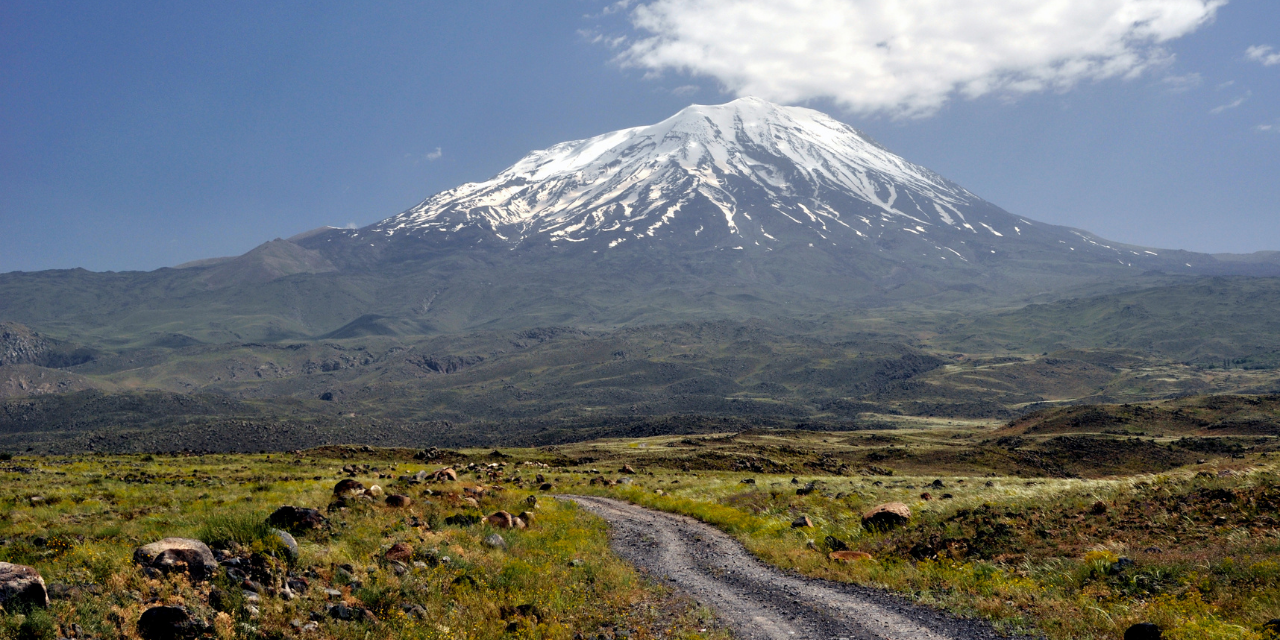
291, 545
21, 586
178, 554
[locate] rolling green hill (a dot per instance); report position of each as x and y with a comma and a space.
1225, 322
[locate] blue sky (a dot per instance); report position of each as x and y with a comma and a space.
141, 135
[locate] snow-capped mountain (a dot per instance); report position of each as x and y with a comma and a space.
748, 174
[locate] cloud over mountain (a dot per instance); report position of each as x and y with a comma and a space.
908, 57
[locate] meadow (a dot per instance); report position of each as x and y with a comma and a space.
1191, 545
78, 520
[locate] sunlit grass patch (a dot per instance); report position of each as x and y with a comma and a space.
82, 544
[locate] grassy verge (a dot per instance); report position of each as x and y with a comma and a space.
1078, 559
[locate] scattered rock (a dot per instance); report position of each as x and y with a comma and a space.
471, 502
397, 501
504, 520
836, 544
1120, 566
290, 545
21, 586
495, 541
219, 600
178, 554
1098, 508
801, 522
399, 552
348, 488
532, 501
168, 623
446, 475
886, 516
1143, 631
374, 491
926, 496
1272, 626
937, 484
526, 517
341, 611
626, 468
546, 486
296, 519
849, 556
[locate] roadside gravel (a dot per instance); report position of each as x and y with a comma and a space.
760, 602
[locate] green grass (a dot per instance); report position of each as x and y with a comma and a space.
97, 509
1029, 553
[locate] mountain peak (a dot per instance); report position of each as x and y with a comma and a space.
721, 161
746, 175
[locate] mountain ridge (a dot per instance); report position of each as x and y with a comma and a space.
734, 211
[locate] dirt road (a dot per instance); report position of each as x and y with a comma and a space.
756, 600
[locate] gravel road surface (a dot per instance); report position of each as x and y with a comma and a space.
762, 602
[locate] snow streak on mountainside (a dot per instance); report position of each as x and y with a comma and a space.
748, 174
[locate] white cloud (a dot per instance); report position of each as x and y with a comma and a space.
1231, 105
1262, 53
685, 90
1267, 128
1182, 83
434, 155
908, 57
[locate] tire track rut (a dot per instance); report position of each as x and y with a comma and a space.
760, 602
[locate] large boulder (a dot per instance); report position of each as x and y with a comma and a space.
503, 520
446, 475
290, 545
397, 501
348, 488
169, 623
21, 586
399, 552
178, 554
886, 516
296, 519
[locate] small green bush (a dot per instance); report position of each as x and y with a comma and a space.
243, 529
39, 625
